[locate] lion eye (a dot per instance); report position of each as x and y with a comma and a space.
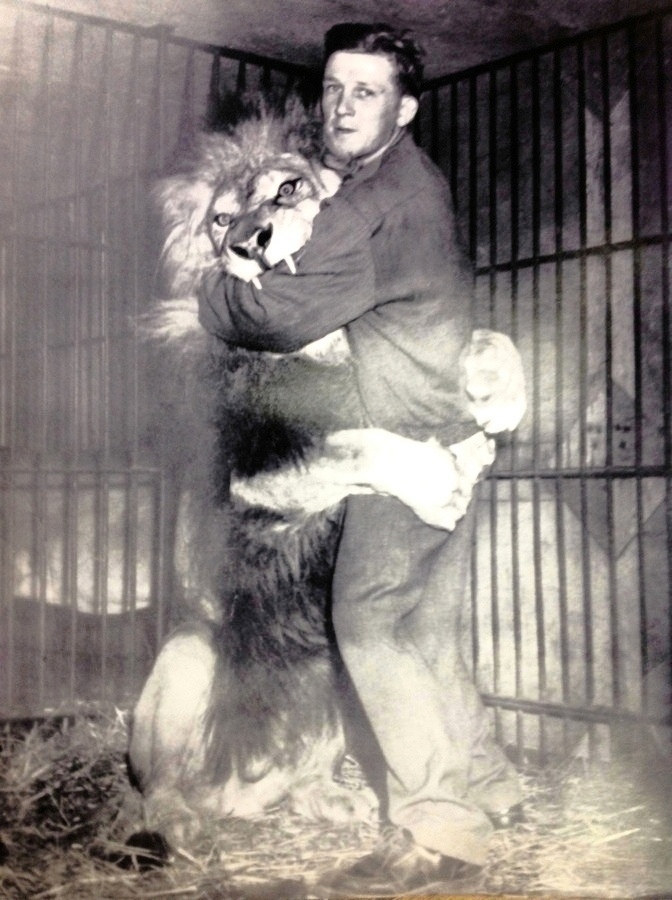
288, 188
222, 220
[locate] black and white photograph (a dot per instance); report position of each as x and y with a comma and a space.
279, 280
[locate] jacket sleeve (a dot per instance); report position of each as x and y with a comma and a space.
334, 284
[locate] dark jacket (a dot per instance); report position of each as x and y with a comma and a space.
383, 261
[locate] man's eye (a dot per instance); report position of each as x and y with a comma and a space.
222, 220
363, 92
288, 188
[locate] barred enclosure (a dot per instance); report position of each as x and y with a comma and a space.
558, 161
92, 111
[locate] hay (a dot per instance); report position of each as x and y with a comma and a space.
66, 809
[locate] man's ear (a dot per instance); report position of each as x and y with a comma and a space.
408, 107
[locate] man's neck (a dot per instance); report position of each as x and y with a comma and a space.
347, 166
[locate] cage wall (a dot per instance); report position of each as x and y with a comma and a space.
91, 112
558, 161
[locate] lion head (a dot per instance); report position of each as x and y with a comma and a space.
242, 201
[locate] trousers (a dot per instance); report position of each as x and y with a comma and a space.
398, 591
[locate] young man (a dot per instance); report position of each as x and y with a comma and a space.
384, 262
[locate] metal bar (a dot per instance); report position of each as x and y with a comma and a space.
495, 627
8, 424
666, 314
45, 78
637, 346
434, 124
162, 587
473, 248
492, 190
131, 368
558, 216
69, 596
595, 715
212, 112
92, 467
453, 143
539, 598
514, 224
101, 504
607, 187
473, 170
41, 438
128, 577
492, 289
580, 253
241, 78
597, 473
586, 562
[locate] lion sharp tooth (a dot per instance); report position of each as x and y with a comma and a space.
291, 265
256, 283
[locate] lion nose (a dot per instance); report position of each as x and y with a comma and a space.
249, 245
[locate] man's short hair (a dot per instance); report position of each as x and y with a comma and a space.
383, 40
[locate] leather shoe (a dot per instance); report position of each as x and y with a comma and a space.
397, 865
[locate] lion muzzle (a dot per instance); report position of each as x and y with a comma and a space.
249, 238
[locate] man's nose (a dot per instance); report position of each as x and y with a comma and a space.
344, 107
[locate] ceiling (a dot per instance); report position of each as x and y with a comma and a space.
456, 34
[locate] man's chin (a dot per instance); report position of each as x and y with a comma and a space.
343, 147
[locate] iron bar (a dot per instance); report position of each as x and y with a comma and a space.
560, 536
539, 592
593, 714
662, 110
514, 227
637, 343
607, 188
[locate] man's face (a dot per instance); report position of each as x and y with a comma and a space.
362, 105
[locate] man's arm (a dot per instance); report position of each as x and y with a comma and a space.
334, 284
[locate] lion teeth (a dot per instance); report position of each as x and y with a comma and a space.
256, 283
291, 265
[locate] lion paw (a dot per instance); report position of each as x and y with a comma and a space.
334, 803
492, 381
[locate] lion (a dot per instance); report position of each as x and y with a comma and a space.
247, 704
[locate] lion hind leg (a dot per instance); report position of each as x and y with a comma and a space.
167, 731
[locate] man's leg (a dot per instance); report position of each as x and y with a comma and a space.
436, 629
405, 664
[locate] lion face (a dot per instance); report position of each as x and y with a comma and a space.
256, 226
242, 202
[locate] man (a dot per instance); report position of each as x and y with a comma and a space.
383, 261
